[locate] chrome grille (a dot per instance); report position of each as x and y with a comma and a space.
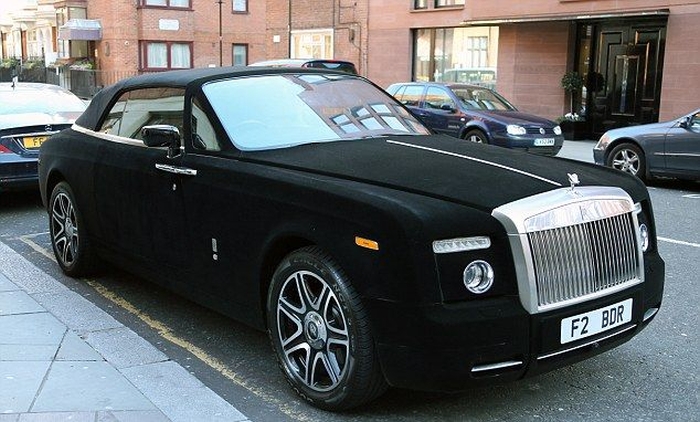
584, 259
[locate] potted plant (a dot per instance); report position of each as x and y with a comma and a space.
572, 124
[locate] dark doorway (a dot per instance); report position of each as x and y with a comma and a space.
622, 62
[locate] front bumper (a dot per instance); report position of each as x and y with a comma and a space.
599, 156
18, 174
527, 143
450, 347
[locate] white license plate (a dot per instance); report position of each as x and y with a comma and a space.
544, 142
591, 323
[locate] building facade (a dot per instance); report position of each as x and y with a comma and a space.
638, 58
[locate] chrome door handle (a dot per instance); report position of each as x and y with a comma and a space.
176, 170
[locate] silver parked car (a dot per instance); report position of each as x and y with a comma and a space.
666, 149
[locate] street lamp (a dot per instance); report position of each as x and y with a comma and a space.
221, 36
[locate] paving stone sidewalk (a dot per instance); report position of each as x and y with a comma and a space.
64, 359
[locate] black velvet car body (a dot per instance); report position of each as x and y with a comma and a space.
364, 245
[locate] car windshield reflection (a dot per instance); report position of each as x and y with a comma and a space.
481, 99
307, 108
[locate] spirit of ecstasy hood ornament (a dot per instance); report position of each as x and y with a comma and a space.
573, 180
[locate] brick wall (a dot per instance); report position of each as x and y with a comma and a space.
531, 61
118, 49
680, 89
347, 17
389, 52
124, 25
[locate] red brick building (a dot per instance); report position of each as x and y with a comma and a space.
171, 34
640, 57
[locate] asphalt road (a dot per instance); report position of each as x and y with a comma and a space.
654, 377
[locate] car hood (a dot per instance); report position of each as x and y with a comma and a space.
508, 117
480, 176
9, 121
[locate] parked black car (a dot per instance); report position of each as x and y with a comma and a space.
666, 149
311, 204
29, 114
478, 114
330, 64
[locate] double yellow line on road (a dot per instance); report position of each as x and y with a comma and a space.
167, 333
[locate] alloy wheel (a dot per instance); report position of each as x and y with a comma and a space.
64, 229
312, 331
626, 160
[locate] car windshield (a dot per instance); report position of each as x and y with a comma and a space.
278, 111
481, 99
49, 101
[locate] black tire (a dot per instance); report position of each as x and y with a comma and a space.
476, 136
70, 244
320, 332
629, 158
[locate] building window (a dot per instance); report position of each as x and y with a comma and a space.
448, 3
314, 44
477, 51
176, 4
420, 4
166, 55
240, 54
240, 6
466, 55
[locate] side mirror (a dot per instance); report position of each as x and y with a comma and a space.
162, 136
447, 107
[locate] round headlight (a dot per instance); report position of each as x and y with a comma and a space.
478, 277
644, 236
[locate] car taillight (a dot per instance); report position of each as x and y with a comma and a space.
4, 150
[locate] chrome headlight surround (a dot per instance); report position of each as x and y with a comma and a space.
478, 277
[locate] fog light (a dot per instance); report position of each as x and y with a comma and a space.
644, 236
478, 277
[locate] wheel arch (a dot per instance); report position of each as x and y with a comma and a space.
474, 125
628, 140
273, 255
54, 178
622, 140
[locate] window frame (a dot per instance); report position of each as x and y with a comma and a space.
233, 53
144, 4
440, 4
116, 116
438, 92
420, 4
233, 7
143, 55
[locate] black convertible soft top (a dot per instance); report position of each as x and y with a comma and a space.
186, 78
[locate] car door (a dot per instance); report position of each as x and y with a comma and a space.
682, 147
140, 206
223, 215
440, 111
